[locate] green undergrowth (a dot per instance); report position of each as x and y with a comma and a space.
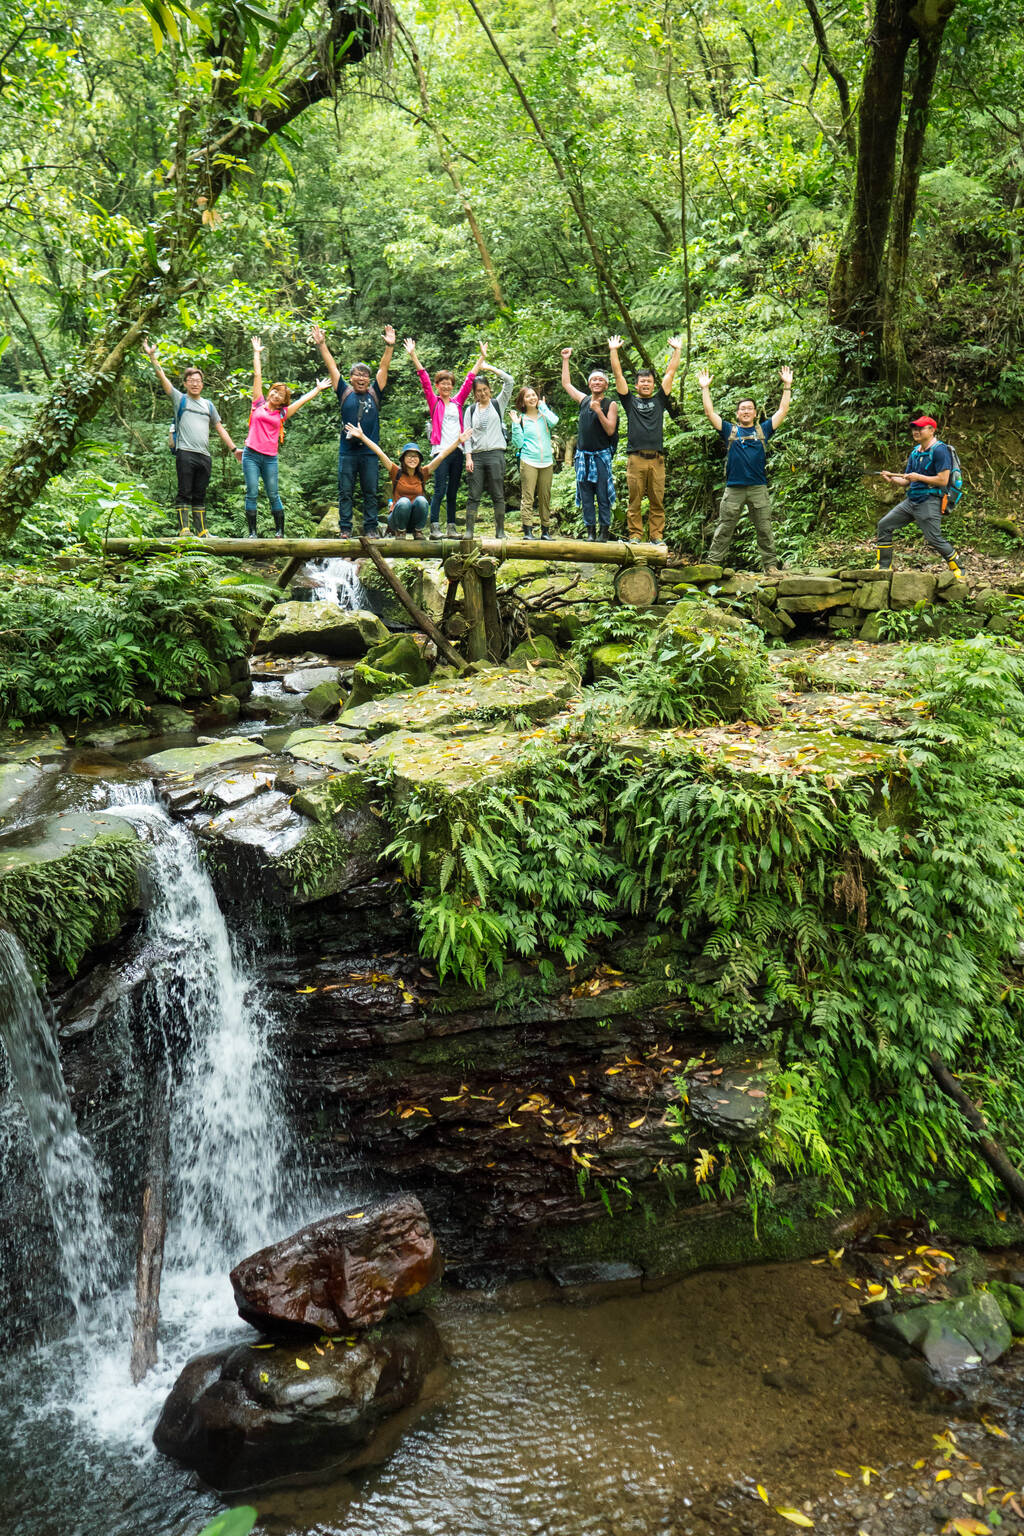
853, 924
61, 909
74, 650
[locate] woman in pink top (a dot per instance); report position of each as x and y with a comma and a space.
445, 427
266, 428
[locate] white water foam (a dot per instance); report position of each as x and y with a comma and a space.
337, 581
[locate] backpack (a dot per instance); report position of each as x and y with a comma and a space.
469, 419
172, 436
954, 488
734, 436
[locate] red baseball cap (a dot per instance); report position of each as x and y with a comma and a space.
925, 421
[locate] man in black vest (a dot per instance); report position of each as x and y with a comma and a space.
597, 437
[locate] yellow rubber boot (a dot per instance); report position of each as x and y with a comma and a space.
183, 527
955, 568
200, 516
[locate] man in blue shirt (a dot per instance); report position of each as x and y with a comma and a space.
926, 476
359, 397
746, 470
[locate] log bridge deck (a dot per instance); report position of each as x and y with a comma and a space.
473, 563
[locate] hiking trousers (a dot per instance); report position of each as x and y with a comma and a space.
645, 476
927, 514
758, 503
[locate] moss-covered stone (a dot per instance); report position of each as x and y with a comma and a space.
291, 628
340, 792
397, 663
473, 701
23, 746
538, 651
324, 700
193, 760
606, 662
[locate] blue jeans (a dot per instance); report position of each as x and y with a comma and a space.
594, 479
406, 514
258, 466
353, 464
447, 479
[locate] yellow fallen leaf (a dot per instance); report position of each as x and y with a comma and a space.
303, 1365
994, 1429
876, 1292
354, 1215
762, 1495
634, 1123
940, 1477
305, 989
967, 1526
838, 1473
261, 1346
794, 1516
611, 1071
866, 1474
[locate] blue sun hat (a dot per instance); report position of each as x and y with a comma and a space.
410, 448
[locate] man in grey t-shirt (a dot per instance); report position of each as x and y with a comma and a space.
190, 442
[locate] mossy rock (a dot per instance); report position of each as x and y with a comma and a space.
606, 661
538, 651
291, 629
472, 702
446, 765
324, 700
23, 746
331, 746
342, 792
16, 781
193, 760
103, 738
329, 526
423, 580
1011, 1304
397, 663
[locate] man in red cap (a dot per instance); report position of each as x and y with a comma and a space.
926, 477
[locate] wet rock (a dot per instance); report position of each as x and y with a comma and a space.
695, 573
828, 1322
169, 720
219, 710
58, 836
330, 746
1010, 1300
291, 628
24, 746
448, 766
324, 700
493, 694
872, 596
16, 781
233, 789
346, 1271
249, 1415
103, 738
953, 1336
734, 1105
910, 587
199, 759
596, 1281
275, 708
304, 679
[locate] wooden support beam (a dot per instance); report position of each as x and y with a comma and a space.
615, 552
289, 571
422, 621
473, 605
487, 568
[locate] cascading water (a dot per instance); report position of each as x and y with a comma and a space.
337, 581
68, 1171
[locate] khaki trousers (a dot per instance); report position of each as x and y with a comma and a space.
536, 482
645, 477
757, 501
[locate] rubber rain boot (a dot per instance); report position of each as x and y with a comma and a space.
499, 525
250, 519
883, 558
199, 513
470, 527
279, 525
527, 530
183, 527
955, 567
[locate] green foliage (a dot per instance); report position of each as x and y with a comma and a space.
84, 650
233, 1522
701, 664
61, 909
612, 624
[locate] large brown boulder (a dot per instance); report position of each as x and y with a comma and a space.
347, 1271
257, 1413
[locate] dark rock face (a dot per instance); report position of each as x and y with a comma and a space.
253, 1414
347, 1271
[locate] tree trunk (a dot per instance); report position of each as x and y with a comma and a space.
858, 292
855, 297
611, 552
929, 47
991, 1151
201, 173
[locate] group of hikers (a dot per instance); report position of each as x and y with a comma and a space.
467, 431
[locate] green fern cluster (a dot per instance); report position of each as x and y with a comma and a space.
854, 924
75, 650
701, 664
62, 909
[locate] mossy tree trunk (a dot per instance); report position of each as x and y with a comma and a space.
210, 142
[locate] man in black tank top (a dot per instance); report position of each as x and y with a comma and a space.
596, 441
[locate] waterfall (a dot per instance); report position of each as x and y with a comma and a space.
70, 1178
229, 1140
337, 581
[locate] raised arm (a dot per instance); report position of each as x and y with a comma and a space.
467, 384
351, 430
567, 384
319, 340
257, 368
786, 375
669, 376
410, 347
704, 380
614, 343
462, 438
385, 362
222, 433
505, 393
311, 394
149, 347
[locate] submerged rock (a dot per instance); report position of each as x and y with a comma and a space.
253, 1414
346, 1271
953, 1336
291, 628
